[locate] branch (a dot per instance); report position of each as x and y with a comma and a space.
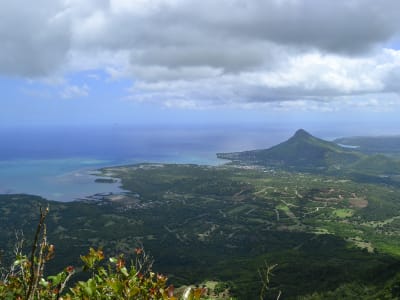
33, 280
265, 274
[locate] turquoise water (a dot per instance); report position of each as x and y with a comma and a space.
57, 163
54, 179
67, 179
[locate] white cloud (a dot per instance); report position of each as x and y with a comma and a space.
303, 78
210, 53
75, 91
34, 38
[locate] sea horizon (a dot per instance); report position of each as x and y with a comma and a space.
57, 163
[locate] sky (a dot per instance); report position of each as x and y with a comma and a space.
105, 62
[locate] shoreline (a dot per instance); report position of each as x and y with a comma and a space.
70, 179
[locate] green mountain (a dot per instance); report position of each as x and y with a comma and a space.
302, 152
377, 164
388, 145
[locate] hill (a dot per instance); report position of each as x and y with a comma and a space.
302, 152
388, 145
306, 153
377, 164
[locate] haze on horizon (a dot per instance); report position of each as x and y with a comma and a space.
179, 62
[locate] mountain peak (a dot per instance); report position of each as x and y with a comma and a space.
302, 152
302, 133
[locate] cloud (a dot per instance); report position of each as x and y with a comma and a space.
304, 77
190, 53
35, 37
74, 91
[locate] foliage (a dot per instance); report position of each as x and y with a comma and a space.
109, 279
389, 145
115, 280
221, 223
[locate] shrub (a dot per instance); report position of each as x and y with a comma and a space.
112, 278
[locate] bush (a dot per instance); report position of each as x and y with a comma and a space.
111, 278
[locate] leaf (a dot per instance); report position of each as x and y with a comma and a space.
44, 283
124, 271
56, 280
197, 293
88, 291
188, 294
134, 291
113, 260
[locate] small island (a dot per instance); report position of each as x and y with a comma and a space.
106, 180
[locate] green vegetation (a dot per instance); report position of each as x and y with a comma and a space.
388, 145
343, 213
332, 234
205, 224
306, 153
107, 280
302, 152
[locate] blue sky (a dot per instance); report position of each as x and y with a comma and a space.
320, 62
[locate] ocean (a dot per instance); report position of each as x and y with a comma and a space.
57, 163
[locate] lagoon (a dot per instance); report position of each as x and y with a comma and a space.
58, 163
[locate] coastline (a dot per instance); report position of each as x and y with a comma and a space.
72, 179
